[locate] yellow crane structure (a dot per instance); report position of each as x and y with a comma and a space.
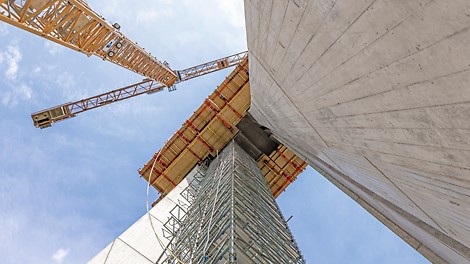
46, 117
73, 24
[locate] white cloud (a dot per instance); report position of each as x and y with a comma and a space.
16, 89
151, 15
3, 29
37, 70
53, 48
138, 14
6, 99
60, 255
21, 92
12, 56
10, 226
233, 10
36, 207
24, 91
67, 84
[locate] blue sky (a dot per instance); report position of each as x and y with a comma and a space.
67, 191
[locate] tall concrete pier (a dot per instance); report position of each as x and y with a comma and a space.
374, 94
233, 217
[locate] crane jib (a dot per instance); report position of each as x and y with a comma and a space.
45, 118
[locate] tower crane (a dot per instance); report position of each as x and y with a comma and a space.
73, 24
46, 117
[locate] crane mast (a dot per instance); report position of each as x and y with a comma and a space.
73, 24
46, 117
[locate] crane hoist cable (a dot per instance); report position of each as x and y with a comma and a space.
160, 242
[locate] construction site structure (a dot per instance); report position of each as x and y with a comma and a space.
45, 118
178, 171
374, 95
221, 117
224, 213
73, 24
232, 217
146, 239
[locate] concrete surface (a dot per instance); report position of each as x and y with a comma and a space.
138, 244
375, 95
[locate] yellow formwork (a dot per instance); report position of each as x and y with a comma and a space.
208, 130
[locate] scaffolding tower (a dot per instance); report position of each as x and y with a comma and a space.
230, 216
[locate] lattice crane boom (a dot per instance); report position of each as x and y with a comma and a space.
73, 24
45, 118
205, 68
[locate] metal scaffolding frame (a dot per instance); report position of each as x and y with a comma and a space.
232, 217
